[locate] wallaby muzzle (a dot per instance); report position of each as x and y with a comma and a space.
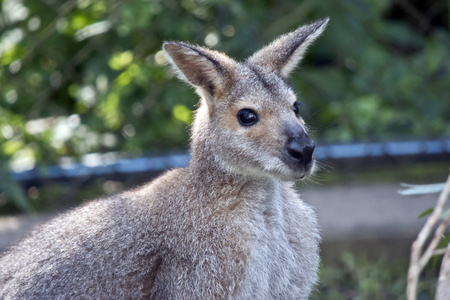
300, 149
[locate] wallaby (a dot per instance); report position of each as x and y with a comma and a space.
230, 225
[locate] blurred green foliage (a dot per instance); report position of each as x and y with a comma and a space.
82, 76
357, 278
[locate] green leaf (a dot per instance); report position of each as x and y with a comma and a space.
426, 212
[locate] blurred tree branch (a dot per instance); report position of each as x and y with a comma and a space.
443, 289
420, 259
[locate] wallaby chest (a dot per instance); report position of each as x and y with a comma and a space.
276, 264
246, 240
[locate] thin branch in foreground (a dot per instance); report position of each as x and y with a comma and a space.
417, 260
441, 251
443, 288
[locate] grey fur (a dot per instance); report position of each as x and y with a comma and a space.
228, 226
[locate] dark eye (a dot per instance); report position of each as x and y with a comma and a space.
247, 117
295, 108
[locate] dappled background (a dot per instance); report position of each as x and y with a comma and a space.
84, 76
88, 76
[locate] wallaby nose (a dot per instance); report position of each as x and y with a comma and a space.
301, 149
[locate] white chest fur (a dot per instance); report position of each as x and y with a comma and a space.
284, 242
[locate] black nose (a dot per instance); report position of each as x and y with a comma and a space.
300, 149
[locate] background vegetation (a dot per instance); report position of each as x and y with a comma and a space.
357, 277
81, 76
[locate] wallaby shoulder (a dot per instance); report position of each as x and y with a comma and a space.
83, 249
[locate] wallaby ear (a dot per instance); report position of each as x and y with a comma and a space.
207, 70
283, 55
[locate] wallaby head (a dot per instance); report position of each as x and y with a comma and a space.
248, 122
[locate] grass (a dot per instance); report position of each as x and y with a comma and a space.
358, 278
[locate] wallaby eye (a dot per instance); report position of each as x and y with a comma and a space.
295, 108
247, 117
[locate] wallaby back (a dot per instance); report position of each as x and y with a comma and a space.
228, 226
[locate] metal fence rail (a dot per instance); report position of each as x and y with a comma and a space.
96, 165
403, 148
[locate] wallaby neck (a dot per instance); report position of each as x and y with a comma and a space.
221, 189
211, 173
227, 190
